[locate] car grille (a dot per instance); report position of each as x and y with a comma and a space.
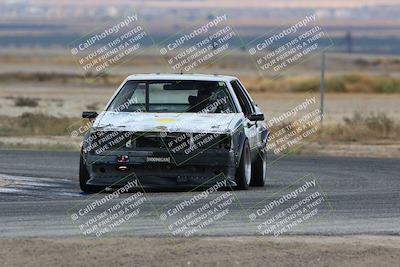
131, 141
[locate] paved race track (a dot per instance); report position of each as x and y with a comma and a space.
39, 193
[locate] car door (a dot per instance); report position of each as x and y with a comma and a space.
250, 127
262, 131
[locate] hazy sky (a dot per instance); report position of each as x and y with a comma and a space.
211, 3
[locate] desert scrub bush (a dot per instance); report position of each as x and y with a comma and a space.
310, 84
335, 84
26, 102
361, 128
387, 85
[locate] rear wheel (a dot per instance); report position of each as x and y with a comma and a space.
259, 171
243, 172
84, 177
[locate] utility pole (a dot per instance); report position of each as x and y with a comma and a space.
322, 85
349, 42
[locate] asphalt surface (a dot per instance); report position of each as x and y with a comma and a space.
40, 196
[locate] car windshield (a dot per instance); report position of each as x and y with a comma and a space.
173, 96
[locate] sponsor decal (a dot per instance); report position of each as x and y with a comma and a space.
158, 159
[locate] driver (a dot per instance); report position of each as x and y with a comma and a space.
202, 99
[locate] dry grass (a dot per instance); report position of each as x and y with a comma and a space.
352, 83
29, 124
40, 146
369, 128
62, 78
363, 128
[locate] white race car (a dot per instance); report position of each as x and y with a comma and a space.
175, 130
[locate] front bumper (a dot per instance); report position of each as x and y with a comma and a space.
201, 170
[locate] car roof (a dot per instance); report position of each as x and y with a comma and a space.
189, 77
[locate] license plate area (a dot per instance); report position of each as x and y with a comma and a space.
181, 179
155, 159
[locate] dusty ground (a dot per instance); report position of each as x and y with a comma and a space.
203, 251
53, 99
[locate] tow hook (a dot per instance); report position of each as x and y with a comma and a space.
122, 160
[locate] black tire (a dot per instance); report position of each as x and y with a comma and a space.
243, 172
259, 170
84, 177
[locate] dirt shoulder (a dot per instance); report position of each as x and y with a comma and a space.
202, 251
389, 149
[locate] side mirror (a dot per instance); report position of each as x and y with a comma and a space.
256, 117
89, 114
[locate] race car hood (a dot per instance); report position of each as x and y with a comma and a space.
168, 122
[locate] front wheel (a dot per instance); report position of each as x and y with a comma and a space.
84, 177
243, 172
259, 174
